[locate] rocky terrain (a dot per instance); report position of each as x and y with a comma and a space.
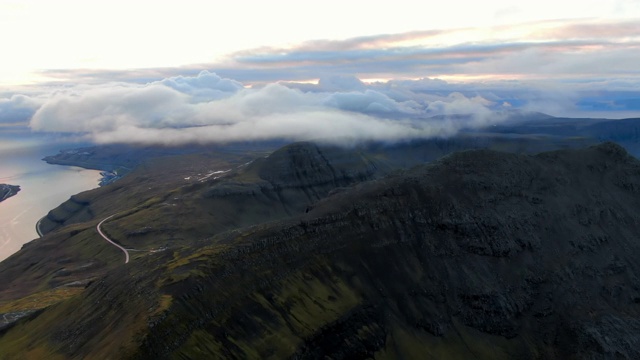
7, 191
481, 254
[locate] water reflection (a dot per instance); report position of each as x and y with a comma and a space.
43, 187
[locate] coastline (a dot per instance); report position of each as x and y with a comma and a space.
109, 173
43, 188
106, 178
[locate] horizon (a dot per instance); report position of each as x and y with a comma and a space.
170, 74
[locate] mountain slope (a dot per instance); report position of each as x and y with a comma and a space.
7, 191
532, 255
482, 254
170, 203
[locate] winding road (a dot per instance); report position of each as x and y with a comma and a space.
40, 234
126, 253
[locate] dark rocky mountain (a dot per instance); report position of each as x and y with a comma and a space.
481, 254
7, 191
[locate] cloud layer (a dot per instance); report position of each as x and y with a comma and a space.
17, 109
542, 49
559, 50
314, 89
207, 108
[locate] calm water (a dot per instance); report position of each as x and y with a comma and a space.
43, 187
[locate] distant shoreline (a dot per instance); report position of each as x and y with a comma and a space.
109, 172
43, 187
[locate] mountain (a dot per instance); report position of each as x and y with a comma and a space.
481, 254
624, 131
7, 191
249, 189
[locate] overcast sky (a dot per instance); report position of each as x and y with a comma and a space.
189, 70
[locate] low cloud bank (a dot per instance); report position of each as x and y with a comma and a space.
18, 109
207, 108
554, 67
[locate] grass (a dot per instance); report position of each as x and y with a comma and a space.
280, 320
40, 300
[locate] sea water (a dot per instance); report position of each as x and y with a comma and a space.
42, 186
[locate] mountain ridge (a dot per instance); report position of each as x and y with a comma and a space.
532, 254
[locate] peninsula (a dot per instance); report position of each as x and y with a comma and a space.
7, 191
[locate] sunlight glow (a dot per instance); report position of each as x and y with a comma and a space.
72, 34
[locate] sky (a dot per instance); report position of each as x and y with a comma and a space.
201, 71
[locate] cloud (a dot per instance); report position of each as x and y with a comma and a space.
371, 102
559, 49
548, 49
205, 86
323, 125
563, 68
459, 104
591, 30
17, 109
105, 108
340, 83
174, 111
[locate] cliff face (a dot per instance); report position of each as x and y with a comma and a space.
481, 254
